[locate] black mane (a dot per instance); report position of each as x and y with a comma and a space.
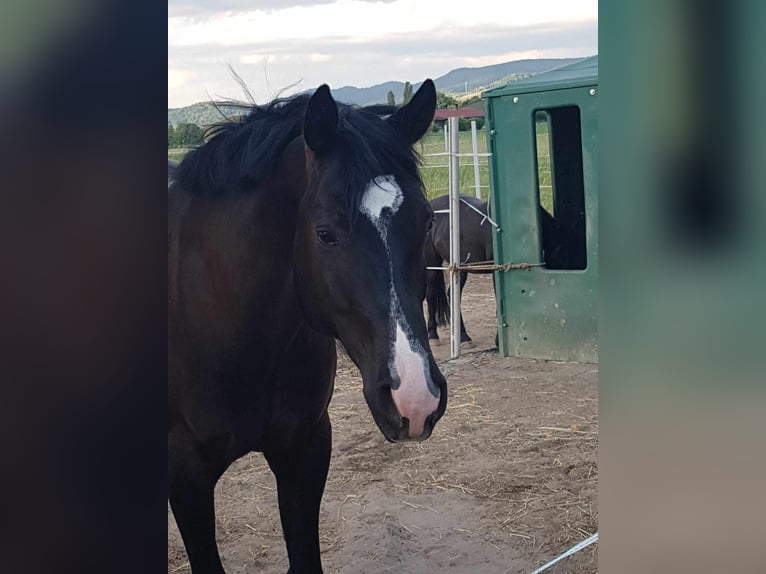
241, 152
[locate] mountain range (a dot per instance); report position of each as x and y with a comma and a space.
455, 83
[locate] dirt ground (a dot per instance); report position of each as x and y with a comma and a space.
507, 481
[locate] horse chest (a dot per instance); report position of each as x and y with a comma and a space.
270, 397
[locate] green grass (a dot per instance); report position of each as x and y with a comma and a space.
435, 172
544, 176
436, 179
176, 154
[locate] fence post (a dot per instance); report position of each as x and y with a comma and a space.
454, 234
475, 145
446, 139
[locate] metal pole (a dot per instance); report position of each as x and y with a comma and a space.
446, 139
475, 144
454, 234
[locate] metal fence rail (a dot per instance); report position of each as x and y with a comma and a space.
576, 548
452, 152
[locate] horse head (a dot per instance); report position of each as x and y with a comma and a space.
358, 253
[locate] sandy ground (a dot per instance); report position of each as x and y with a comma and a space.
507, 481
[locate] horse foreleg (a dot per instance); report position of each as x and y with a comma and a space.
301, 473
464, 338
191, 484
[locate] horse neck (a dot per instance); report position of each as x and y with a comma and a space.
230, 256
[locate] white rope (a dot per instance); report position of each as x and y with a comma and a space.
484, 215
576, 548
487, 266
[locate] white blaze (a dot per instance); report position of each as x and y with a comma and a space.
408, 363
381, 193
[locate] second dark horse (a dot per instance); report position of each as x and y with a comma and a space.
475, 247
299, 224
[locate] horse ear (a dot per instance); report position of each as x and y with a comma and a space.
414, 118
320, 125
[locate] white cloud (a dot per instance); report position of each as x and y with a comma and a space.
205, 9
253, 59
353, 42
178, 80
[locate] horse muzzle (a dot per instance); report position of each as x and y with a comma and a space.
417, 409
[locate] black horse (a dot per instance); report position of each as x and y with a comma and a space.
252, 332
475, 247
558, 250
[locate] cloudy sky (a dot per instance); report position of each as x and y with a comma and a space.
274, 44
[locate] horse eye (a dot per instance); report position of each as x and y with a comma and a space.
326, 236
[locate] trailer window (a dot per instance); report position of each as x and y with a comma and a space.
560, 187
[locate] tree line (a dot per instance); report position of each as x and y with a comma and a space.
184, 135
443, 101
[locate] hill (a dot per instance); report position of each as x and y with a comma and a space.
457, 83
201, 113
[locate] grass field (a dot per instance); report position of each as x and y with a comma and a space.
544, 176
176, 154
435, 172
436, 175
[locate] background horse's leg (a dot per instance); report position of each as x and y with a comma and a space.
463, 333
191, 483
433, 280
301, 474
436, 293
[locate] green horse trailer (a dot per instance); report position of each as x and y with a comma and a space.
543, 136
